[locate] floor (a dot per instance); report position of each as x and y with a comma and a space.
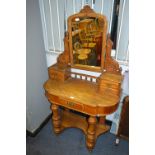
72, 142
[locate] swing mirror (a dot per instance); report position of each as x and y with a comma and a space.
87, 33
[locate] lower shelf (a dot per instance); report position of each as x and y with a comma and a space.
71, 120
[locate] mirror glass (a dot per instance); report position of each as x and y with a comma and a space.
87, 41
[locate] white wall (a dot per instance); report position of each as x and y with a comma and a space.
37, 107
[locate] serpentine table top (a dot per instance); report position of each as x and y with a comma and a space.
82, 93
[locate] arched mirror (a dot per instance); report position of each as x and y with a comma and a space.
87, 39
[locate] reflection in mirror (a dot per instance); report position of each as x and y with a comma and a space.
87, 41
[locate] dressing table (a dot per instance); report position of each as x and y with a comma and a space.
86, 47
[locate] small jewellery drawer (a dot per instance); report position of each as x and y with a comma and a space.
68, 104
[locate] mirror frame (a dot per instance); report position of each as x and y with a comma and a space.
88, 12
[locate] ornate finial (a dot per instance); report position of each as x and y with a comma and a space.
87, 9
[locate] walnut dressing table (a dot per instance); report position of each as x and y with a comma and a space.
93, 96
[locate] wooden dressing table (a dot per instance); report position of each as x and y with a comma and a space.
93, 96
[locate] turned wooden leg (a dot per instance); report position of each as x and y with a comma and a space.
90, 141
56, 118
102, 120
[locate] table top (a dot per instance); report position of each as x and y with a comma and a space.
82, 91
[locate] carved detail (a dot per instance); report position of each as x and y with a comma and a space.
63, 58
87, 9
111, 65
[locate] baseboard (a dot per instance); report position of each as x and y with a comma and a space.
33, 134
